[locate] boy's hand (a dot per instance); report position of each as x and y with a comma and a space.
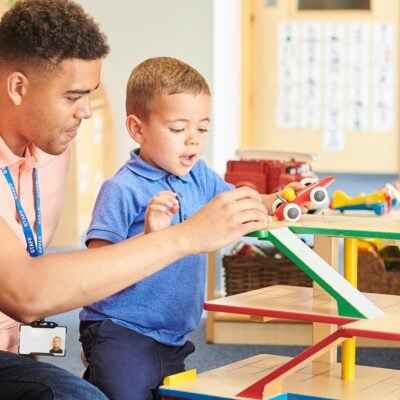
298, 187
268, 199
160, 211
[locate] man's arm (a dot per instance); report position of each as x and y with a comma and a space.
32, 288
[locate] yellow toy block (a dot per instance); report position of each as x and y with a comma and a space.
180, 377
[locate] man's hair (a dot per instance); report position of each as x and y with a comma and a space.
46, 32
160, 76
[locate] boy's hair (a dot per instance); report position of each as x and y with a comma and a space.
160, 76
46, 32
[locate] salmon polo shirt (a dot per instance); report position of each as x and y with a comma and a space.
52, 171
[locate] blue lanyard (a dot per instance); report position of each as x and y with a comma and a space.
33, 248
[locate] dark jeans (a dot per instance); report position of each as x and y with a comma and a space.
126, 365
24, 379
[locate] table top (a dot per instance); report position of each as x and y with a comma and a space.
332, 223
295, 303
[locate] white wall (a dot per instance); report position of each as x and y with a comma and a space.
227, 82
138, 29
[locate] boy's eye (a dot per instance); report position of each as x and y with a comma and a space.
177, 130
203, 130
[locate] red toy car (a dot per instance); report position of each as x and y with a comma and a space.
290, 210
268, 171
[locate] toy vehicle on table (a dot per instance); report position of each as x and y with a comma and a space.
269, 171
288, 205
380, 202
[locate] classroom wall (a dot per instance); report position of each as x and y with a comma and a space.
187, 29
206, 34
140, 29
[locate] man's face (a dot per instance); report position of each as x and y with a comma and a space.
56, 103
56, 342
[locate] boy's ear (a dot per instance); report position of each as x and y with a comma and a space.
17, 84
134, 126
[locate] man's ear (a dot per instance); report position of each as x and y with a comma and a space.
134, 126
17, 84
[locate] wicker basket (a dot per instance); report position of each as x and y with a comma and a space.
244, 273
373, 276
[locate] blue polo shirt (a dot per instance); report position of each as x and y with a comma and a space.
168, 305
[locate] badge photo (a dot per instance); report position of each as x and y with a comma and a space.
42, 338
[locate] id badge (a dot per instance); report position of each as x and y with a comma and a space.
44, 338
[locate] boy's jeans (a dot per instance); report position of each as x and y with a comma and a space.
127, 365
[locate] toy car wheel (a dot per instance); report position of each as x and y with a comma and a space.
292, 212
276, 204
318, 195
308, 181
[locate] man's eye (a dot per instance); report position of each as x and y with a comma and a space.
73, 98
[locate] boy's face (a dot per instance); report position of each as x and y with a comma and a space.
174, 136
55, 103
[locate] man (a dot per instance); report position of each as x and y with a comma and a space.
56, 346
50, 61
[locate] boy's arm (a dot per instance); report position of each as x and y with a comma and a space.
32, 288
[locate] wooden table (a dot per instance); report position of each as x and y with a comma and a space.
315, 305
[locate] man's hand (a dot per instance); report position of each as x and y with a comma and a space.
162, 207
225, 219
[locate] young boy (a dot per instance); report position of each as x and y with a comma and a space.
132, 340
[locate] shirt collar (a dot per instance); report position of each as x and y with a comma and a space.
142, 168
34, 157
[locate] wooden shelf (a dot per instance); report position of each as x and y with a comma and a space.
334, 310
295, 303
320, 379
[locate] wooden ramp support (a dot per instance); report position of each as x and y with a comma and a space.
351, 302
385, 327
271, 384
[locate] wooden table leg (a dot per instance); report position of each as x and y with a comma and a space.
350, 273
327, 248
